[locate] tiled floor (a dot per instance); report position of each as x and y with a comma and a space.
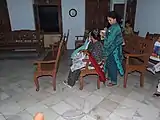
20, 101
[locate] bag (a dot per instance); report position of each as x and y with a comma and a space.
97, 68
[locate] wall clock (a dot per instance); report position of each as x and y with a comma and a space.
73, 12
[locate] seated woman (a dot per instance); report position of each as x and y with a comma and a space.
128, 30
156, 52
95, 48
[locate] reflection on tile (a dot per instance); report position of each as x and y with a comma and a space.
81, 93
148, 112
2, 117
11, 108
3, 96
104, 92
109, 105
132, 103
99, 113
66, 107
136, 96
20, 116
60, 118
50, 101
38, 107
41, 95
91, 101
124, 111
114, 116
73, 115
87, 117
76, 101
116, 98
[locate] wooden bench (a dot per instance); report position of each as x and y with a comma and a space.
137, 51
48, 66
23, 40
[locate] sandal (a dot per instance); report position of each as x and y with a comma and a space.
110, 84
156, 95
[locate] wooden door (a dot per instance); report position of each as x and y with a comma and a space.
4, 19
119, 8
90, 13
95, 15
131, 11
103, 12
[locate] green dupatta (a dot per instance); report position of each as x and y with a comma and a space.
113, 46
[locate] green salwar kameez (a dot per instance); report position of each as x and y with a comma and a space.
112, 52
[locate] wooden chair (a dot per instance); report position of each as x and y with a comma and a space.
86, 71
137, 52
48, 66
136, 32
149, 35
66, 40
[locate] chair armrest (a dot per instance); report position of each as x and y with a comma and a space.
44, 62
136, 55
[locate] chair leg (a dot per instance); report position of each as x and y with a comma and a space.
54, 82
98, 83
36, 83
81, 83
125, 79
142, 80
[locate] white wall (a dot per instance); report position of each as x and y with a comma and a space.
22, 17
147, 16
75, 24
21, 14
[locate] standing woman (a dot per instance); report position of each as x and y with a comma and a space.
112, 50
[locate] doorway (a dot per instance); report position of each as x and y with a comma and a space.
119, 8
4, 19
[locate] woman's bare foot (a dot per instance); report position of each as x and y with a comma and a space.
39, 116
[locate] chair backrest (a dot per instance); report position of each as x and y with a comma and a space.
66, 39
149, 35
145, 46
59, 55
139, 45
136, 32
130, 44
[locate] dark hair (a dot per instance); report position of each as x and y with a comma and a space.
114, 15
95, 34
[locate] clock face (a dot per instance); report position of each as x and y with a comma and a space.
73, 12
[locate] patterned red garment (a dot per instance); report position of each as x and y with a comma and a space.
98, 68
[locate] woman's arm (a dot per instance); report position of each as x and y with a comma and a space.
110, 39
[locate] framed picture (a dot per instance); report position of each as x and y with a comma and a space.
73, 12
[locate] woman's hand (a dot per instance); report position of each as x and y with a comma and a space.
85, 52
